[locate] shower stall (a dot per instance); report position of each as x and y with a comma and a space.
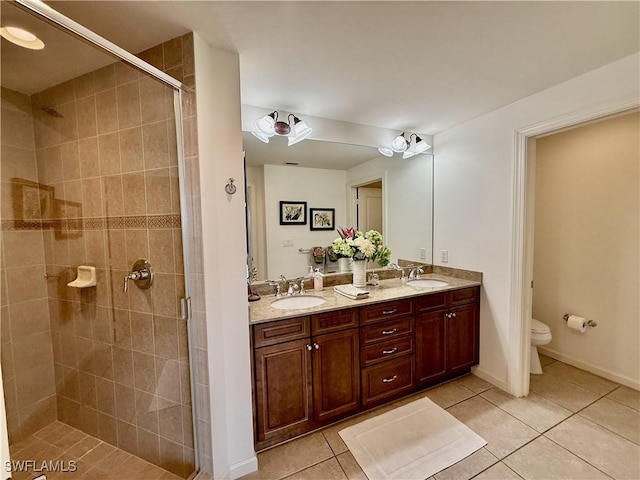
93, 174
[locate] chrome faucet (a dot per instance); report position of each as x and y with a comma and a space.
275, 283
395, 266
415, 272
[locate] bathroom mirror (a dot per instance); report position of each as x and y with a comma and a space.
360, 187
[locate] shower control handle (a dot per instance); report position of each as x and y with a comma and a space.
141, 274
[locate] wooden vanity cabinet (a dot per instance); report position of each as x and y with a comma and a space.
447, 329
304, 383
387, 355
313, 370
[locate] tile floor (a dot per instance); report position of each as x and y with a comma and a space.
573, 425
95, 459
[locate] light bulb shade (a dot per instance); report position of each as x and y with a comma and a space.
399, 144
267, 123
261, 136
408, 153
21, 37
299, 132
387, 152
420, 146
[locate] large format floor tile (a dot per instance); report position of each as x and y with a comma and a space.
616, 417
499, 471
449, 394
292, 457
468, 467
557, 389
544, 460
626, 396
533, 410
503, 433
614, 455
327, 470
586, 380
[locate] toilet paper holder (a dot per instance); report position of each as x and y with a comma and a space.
589, 323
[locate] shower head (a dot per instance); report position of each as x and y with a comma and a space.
51, 111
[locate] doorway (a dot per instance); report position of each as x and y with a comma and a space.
523, 221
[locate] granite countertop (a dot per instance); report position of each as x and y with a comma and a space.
392, 289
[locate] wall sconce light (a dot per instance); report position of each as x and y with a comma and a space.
414, 146
269, 125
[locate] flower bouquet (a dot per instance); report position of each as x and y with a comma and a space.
354, 244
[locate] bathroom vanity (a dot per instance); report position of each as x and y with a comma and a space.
315, 366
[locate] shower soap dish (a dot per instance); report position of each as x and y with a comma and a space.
86, 277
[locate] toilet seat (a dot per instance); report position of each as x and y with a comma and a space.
539, 327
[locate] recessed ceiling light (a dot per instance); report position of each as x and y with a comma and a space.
22, 38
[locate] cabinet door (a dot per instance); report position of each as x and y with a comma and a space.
336, 375
430, 347
283, 390
462, 338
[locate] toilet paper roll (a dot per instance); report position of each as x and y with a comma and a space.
577, 323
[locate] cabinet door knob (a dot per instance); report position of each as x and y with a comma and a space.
389, 352
389, 332
308, 347
390, 379
453, 315
389, 312
316, 346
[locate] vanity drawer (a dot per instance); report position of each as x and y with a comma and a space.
334, 321
383, 351
386, 331
387, 380
431, 302
271, 333
385, 311
465, 295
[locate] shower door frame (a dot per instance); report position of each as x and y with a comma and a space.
68, 25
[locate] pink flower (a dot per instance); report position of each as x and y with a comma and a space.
347, 232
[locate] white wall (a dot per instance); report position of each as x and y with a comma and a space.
320, 188
473, 188
409, 196
224, 252
407, 199
586, 256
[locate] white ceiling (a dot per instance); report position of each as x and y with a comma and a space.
415, 66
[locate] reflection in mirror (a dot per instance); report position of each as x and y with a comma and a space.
355, 183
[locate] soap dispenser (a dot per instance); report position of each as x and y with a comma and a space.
318, 280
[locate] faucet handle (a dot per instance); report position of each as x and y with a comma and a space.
302, 290
275, 283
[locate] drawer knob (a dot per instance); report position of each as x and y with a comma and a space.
389, 352
389, 312
390, 379
389, 332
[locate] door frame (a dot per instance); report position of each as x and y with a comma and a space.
352, 198
523, 201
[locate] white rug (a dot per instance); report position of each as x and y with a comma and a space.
411, 442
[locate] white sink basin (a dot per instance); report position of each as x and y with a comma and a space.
297, 302
427, 283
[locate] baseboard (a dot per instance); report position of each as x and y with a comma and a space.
488, 377
244, 467
609, 375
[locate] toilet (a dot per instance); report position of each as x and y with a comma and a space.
540, 335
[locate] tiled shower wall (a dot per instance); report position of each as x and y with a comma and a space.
106, 158
25, 331
167, 58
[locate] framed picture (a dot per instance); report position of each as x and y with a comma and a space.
293, 213
322, 218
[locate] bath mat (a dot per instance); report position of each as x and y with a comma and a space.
411, 442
